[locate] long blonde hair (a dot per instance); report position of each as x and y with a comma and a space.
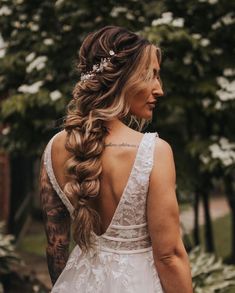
94, 102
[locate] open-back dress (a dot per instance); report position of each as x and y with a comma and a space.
122, 260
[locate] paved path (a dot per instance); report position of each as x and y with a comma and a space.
218, 208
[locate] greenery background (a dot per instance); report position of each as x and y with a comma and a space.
40, 43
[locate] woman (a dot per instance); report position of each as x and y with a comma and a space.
113, 184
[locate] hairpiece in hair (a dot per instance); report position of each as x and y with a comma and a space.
99, 67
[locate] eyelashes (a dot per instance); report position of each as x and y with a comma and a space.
156, 74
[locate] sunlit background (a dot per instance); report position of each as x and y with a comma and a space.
39, 43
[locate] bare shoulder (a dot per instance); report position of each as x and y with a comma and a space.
163, 161
163, 175
58, 146
162, 148
60, 156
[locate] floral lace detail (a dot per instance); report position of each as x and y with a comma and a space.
98, 272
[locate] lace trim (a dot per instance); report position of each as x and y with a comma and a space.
133, 251
125, 239
129, 226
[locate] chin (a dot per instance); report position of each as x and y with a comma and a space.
146, 117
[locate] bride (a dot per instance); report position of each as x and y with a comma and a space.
111, 183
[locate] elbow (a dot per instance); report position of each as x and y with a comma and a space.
169, 257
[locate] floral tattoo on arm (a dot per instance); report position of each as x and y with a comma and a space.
56, 220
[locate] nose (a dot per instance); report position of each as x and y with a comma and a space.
157, 91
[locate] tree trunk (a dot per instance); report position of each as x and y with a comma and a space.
208, 232
230, 194
196, 236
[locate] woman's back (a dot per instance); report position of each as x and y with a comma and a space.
117, 162
123, 253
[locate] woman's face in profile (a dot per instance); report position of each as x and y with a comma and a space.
143, 103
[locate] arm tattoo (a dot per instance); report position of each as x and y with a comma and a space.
56, 220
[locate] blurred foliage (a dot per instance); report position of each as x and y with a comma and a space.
196, 115
8, 257
12, 280
41, 40
209, 273
38, 72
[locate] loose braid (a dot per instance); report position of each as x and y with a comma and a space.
94, 102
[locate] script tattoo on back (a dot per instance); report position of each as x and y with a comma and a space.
56, 221
123, 144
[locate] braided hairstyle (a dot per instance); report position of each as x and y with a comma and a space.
94, 102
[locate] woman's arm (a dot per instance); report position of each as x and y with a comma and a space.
170, 256
56, 223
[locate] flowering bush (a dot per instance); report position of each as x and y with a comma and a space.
209, 273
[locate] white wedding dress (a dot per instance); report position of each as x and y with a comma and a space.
122, 261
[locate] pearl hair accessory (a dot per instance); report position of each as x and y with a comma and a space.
97, 67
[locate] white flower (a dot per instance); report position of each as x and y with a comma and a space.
204, 159
197, 36
205, 42
36, 17
178, 22
206, 103
228, 18
31, 89
130, 16
225, 96
229, 72
218, 105
48, 42
55, 95
4, 10
212, 2
3, 46
166, 18
217, 51
6, 130
37, 63
16, 24
227, 91
66, 27
224, 150
116, 10
216, 25
222, 81
23, 16
59, 3
33, 26
98, 19
141, 19
187, 59
30, 57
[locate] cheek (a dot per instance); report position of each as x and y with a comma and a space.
142, 97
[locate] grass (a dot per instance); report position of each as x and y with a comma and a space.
222, 236
184, 206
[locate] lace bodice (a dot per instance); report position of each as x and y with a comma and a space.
128, 230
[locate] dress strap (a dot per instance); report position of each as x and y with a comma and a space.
51, 175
